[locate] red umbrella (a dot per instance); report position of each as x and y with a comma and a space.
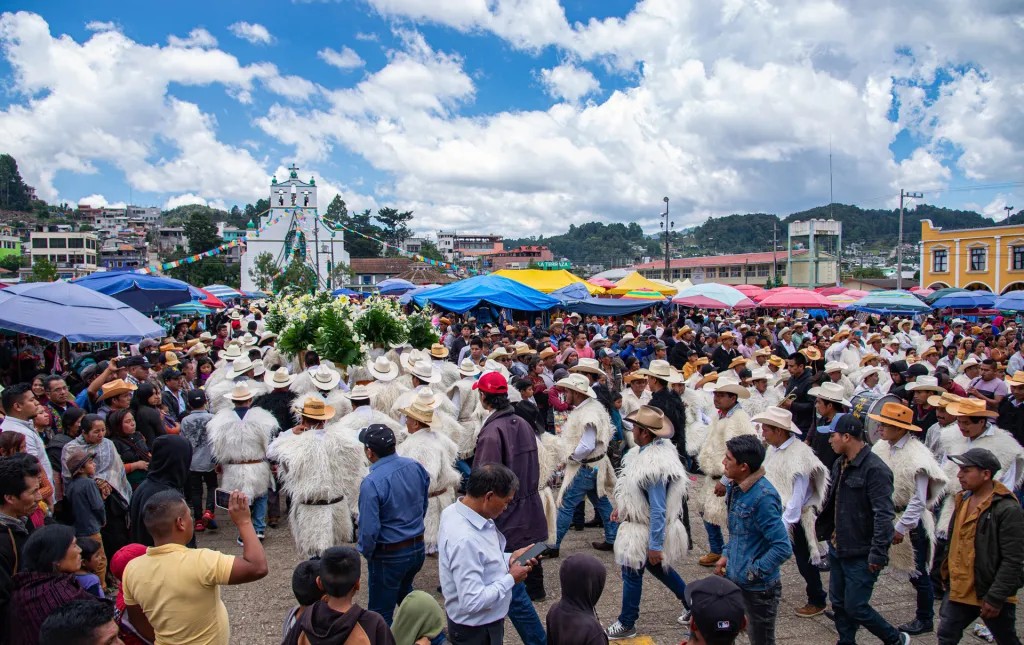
856, 294
704, 302
794, 298
211, 300
749, 290
764, 294
831, 291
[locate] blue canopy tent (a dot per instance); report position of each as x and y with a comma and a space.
56, 310
141, 291
492, 290
965, 300
890, 302
573, 291
407, 297
394, 287
610, 306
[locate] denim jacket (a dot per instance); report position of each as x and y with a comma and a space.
758, 540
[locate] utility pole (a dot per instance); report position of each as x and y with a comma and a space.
1007, 209
668, 225
775, 246
899, 248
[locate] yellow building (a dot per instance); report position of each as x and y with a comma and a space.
989, 258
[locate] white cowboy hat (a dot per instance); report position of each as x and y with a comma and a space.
382, 369
731, 386
358, 393
422, 407
653, 420
830, 392
501, 352
266, 336
207, 337
234, 314
248, 340
279, 378
324, 378
868, 371
240, 366
785, 330
468, 368
241, 392
408, 357
660, 369
231, 352
577, 383
424, 371
588, 365
777, 418
925, 382
970, 362
522, 349
258, 368
833, 366
760, 374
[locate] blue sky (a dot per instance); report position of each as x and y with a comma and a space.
517, 116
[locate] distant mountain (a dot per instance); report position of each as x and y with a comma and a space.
595, 243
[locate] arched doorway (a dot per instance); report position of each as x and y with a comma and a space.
938, 285
1013, 286
978, 286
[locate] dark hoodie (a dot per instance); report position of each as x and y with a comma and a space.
573, 619
168, 470
321, 625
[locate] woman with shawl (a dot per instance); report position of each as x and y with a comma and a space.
110, 477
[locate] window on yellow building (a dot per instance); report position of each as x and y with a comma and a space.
1018, 258
940, 260
711, 272
978, 257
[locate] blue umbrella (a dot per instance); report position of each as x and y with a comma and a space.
342, 291
1012, 301
895, 301
56, 310
140, 291
189, 308
394, 287
965, 300
224, 292
255, 295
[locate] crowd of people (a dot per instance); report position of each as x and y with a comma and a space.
851, 445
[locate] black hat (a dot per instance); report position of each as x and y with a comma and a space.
979, 457
849, 424
915, 370
155, 358
379, 438
717, 606
195, 398
898, 367
135, 361
169, 374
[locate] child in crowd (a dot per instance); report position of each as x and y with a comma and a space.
82, 494
86, 576
118, 562
305, 590
202, 470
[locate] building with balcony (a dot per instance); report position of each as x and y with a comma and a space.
743, 268
458, 246
10, 242
990, 258
123, 253
518, 258
75, 254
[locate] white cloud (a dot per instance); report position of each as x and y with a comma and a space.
187, 199
255, 33
569, 82
98, 25
345, 59
99, 201
198, 37
367, 37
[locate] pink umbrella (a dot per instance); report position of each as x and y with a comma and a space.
831, 291
764, 294
601, 282
749, 290
704, 302
794, 298
856, 294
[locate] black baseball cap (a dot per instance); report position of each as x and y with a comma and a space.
135, 361
716, 604
979, 457
195, 398
898, 367
378, 438
848, 424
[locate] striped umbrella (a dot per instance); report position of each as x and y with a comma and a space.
643, 294
224, 292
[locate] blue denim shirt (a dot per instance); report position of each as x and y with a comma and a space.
392, 502
758, 540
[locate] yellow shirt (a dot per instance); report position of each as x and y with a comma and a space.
177, 587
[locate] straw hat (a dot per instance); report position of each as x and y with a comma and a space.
231, 352
925, 383
874, 337
501, 352
522, 349
727, 335
633, 377
1016, 379
777, 361
547, 352
422, 407
830, 392
198, 350
896, 414
653, 420
928, 352
869, 357
944, 399
439, 351
661, 370
834, 366
685, 330
315, 408
192, 342
811, 353
169, 347
382, 369
171, 359
731, 386
258, 368
240, 366
324, 378
970, 362
241, 392
116, 387
207, 337
468, 368
279, 378
589, 366
777, 418
764, 351
424, 371
739, 361
577, 383
703, 360
358, 393
627, 337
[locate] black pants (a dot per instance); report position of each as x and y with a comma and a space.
535, 582
762, 609
196, 480
955, 617
489, 634
808, 571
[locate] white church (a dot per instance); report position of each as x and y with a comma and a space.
293, 206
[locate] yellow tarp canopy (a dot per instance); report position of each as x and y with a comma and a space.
634, 281
546, 281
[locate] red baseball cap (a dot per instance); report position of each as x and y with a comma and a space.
492, 383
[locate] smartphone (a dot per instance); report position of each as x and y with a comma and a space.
532, 553
221, 498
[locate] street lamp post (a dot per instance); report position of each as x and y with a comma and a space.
899, 244
667, 225
1008, 210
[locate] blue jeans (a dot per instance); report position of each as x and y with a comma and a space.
524, 617
582, 485
922, 583
633, 587
716, 543
850, 587
258, 508
762, 609
390, 575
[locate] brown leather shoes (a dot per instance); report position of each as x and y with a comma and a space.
809, 611
709, 560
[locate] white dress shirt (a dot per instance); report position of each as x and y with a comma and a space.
912, 514
801, 490
588, 441
475, 580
